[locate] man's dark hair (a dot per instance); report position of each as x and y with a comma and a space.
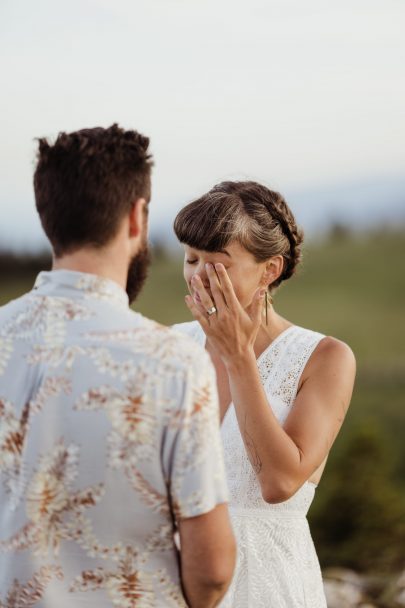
87, 181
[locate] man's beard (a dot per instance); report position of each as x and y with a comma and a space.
138, 272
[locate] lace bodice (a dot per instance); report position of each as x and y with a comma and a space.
280, 367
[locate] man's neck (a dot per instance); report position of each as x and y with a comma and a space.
98, 262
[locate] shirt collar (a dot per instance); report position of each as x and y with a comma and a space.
61, 282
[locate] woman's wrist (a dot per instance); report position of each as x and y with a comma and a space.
239, 362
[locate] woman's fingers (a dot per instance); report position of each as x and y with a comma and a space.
196, 312
206, 300
227, 287
215, 287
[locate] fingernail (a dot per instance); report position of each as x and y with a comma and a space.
208, 266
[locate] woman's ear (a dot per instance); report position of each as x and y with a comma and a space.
273, 269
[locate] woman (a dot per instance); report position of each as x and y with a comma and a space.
283, 390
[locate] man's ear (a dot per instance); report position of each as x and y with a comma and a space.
274, 268
136, 217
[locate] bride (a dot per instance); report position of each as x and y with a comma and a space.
284, 390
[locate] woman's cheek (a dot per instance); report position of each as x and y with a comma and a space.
240, 295
238, 289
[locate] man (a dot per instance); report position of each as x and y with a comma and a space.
109, 438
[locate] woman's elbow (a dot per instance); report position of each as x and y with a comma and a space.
274, 493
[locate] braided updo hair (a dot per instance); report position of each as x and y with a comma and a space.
246, 212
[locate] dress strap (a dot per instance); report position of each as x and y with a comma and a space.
281, 367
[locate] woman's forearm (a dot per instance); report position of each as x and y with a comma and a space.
275, 458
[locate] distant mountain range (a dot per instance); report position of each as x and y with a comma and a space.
358, 204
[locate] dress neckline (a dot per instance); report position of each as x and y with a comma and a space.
258, 360
262, 354
274, 342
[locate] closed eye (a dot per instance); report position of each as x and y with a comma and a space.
191, 262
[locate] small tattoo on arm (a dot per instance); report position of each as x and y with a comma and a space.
253, 456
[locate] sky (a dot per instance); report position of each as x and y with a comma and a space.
306, 97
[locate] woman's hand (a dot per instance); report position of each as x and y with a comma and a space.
231, 330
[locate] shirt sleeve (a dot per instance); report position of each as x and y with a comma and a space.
192, 456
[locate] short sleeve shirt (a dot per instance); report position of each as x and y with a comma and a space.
109, 433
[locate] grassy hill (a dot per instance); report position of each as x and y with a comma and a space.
353, 288
350, 287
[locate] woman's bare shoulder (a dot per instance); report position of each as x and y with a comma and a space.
331, 353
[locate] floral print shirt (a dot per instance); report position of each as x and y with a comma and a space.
109, 433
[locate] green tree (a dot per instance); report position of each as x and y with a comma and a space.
359, 521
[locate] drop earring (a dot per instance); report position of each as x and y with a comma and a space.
267, 298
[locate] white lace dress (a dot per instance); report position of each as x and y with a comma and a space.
277, 566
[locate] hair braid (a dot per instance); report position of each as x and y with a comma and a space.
281, 212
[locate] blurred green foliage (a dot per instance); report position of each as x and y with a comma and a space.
351, 286
358, 519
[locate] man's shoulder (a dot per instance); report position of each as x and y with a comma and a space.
169, 343
10, 308
153, 345
189, 328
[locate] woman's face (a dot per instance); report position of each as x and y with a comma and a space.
244, 272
